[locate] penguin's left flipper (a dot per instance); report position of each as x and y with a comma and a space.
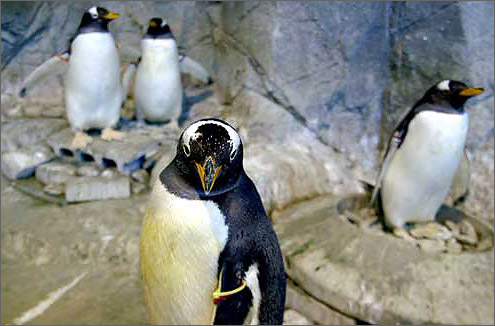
234, 299
195, 69
460, 184
55, 65
393, 144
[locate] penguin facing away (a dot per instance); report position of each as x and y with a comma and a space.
93, 90
423, 155
158, 86
207, 251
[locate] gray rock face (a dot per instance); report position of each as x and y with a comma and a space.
23, 163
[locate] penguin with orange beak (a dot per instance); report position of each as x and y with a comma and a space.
207, 251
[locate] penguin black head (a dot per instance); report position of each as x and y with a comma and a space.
158, 28
450, 92
97, 18
209, 157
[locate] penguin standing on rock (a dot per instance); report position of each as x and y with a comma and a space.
207, 252
93, 90
158, 90
423, 155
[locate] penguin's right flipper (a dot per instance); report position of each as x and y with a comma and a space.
232, 308
55, 65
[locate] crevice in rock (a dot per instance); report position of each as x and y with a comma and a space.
271, 90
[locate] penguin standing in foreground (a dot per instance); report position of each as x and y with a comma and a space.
207, 252
93, 90
423, 155
158, 90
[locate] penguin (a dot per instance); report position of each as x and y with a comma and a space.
423, 155
158, 87
93, 90
207, 251
158, 90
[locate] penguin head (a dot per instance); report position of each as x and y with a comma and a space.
450, 92
98, 17
209, 156
158, 28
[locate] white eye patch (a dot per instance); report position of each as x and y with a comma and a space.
444, 85
93, 12
164, 23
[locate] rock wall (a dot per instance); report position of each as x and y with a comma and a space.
305, 82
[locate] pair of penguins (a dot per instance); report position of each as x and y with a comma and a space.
94, 93
207, 251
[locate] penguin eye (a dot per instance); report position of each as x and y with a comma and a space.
232, 154
186, 149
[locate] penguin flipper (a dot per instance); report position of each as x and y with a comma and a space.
55, 65
195, 69
460, 184
393, 145
129, 73
232, 309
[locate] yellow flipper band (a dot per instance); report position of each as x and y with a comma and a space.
221, 296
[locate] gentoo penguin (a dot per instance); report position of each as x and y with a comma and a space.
158, 90
158, 86
423, 155
93, 90
207, 252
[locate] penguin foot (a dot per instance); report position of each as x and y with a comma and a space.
110, 134
403, 234
81, 140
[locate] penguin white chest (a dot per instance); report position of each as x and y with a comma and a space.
158, 88
422, 169
181, 241
93, 90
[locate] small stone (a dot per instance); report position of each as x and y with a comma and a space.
467, 233
353, 218
403, 234
141, 176
109, 173
432, 245
23, 163
453, 227
485, 244
431, 230
96, 188
88, 171
453, 246
137, 187
55, 172
54, 189
292, 317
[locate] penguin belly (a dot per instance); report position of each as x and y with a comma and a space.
421, 172
181, 241
93, 93
158, 88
